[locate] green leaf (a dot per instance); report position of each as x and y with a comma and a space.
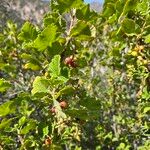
30, 126
54, 66
22, 121
46, 37
146, 109
26, 56
62, 79
119, 7
130, 27
33, 63
81, 31
64, 6
6, 67
5, 123
7, 108
147, 39
40, 85
143, 7
32, 66
129, 5
58, 81
43, 128
2, 38
4, 85
55, 18
68, 90
55, 49
109, 9
145, 94
65, 71
45, 131
28, 32
78, 113
90, 103
85, 14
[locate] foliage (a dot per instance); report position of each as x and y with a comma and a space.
80, 81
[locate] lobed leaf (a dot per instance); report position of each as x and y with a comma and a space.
28, 32
46, 37
40, 85
54, 66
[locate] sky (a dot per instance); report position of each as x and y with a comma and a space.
89, 1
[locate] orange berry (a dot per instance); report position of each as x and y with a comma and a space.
48, 141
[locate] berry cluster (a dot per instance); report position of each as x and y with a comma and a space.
70, 62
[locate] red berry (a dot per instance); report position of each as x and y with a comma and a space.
73, 64
63, 104
70, 61
53, 110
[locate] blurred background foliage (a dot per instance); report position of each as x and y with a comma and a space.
32, 10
